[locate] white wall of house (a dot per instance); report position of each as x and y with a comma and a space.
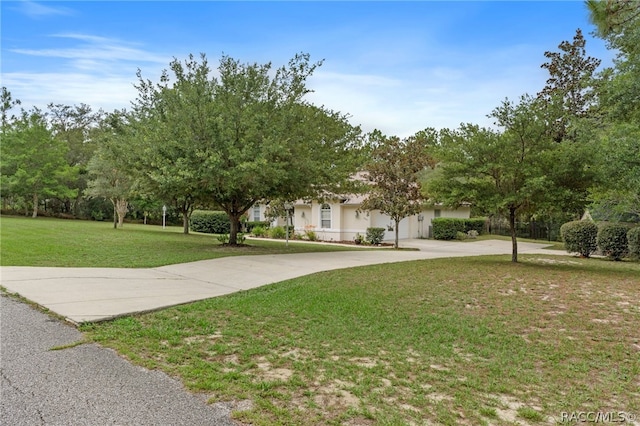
345, 221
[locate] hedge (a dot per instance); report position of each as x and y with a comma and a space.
210, 222
633, 241
579, 236
475, 224
612, 240
447, 228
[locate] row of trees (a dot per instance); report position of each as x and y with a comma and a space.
574, 144
190, 140
247, 134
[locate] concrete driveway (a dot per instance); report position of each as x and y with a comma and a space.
97, 294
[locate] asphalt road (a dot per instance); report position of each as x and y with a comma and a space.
86, 384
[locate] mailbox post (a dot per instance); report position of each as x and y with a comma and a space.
164, 217
288, 206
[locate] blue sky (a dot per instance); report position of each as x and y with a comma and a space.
396, 66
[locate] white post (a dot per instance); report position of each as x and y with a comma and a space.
164, 215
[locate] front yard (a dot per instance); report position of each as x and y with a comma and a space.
448, 341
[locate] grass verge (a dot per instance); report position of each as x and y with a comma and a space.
76, 243
447, 341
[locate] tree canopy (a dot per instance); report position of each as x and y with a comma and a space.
569, 93
241, 137
109, 174
618, 132
393, 173
506, 171
33, 161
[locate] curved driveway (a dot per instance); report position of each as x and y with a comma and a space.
97, 294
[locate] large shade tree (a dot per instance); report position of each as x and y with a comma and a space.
109, 175
33, 164
171, 124
75, 126
241, 137
498, 171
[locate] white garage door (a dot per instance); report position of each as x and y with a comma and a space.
383, 221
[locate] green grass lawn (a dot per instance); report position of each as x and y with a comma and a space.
79, 243
448, 341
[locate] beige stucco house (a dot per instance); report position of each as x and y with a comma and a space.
340, 220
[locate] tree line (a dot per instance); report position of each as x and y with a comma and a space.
247, 134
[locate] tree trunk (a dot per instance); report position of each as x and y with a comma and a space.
115, 214
122, 210
235, 227
514, 240
395, 245
35, 206
185, 222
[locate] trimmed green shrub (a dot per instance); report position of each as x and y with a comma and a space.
475, 224
277, 232
447, 228
612, 240
461, 236
579, 236
375, 235
259, 231
210, 222
633, 241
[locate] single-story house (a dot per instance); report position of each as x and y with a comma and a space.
341, 220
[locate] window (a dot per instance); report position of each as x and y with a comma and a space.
436, 213
256, 212
325, 216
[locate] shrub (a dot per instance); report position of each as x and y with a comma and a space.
358, 239
259, 231
473, 234
461, 236
447, 228
210, 222
633, 241
579, 236
475, 224
250, 225
310, 235
612, 240
223, 238
375, 235
277, 232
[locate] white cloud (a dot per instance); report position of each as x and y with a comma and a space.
95, 49
98, 71
40, 89
431, 93
37, 10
